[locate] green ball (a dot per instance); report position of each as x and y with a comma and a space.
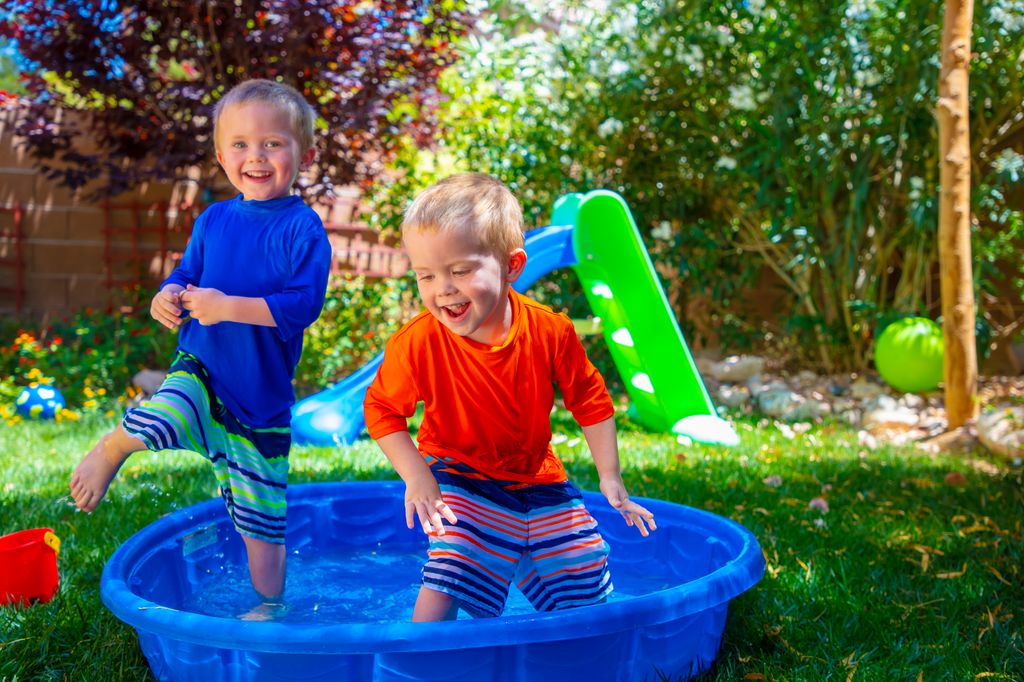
908, 354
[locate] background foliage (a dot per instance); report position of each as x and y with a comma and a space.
759, 144
781, 159
142, 79
358, 318
90, 356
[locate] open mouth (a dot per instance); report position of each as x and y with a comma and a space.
257, 175
455, 312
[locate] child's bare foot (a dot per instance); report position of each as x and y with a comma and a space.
268, 610
94, 473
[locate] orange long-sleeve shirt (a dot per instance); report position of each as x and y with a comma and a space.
488, 407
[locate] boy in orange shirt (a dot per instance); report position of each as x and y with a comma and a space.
485, 361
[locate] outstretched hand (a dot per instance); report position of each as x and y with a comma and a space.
205, 305
423, 502
633, 513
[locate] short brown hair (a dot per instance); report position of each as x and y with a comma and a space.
280, 95
476, 200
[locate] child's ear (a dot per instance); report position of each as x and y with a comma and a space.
516, 264
307, 158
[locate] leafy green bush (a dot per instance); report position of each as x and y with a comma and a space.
91, 356
358, 318
750, 138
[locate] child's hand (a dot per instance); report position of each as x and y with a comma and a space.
205, 305
634, 514
166, 306
423, 502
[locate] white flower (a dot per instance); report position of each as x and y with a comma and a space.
624, 23
726, 162
609, 127
860, 10
1010, 164
691, 56
618, 67
663, 231
916, 189
741, 97
1008, 15
866, 78
513, 88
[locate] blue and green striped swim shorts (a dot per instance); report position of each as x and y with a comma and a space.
250, 464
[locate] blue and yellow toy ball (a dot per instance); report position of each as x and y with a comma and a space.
908, 354
39, 401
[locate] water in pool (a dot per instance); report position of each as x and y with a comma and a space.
362, 586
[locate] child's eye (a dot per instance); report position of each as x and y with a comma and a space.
460, 273
274, 144
424, 278
238, 145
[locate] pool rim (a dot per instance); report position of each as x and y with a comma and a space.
736, 576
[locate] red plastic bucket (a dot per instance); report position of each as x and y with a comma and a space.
28, 566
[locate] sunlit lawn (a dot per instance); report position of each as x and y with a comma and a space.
913, 572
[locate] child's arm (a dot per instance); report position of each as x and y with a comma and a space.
211, 306
422, 494
605, 450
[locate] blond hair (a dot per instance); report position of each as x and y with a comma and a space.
474, 200
279, 95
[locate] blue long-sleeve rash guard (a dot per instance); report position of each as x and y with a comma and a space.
276, 250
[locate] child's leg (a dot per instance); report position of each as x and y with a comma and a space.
266, 566
93, 475
432, 605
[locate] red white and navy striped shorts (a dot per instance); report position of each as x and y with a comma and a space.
540, 536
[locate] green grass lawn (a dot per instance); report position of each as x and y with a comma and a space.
913, 573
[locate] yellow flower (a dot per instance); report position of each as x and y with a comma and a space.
89, 403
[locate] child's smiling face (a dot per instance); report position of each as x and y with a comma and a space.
462, 283
259, 151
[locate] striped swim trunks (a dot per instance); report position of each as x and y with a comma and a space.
251, 465
540, 536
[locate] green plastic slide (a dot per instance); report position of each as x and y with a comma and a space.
647, 346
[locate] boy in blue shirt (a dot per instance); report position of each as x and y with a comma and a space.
253, 277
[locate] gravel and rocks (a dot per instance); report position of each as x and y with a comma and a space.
882, 414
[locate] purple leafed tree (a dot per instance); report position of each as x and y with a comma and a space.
142, 78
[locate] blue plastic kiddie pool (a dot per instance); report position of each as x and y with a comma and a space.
353, 572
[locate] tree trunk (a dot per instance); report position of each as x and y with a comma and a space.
961, 362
